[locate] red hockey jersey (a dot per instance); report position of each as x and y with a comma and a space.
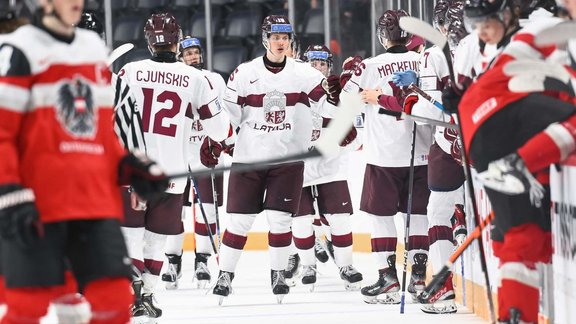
56, 133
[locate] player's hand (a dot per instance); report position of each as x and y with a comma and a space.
451, 99
458, 221
19, 218
370, 96
350, 137
409, 103
332, 88
210, 151
348, 67
136, 202
143, 174
404, 78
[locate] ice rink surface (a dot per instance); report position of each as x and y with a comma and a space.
252, 300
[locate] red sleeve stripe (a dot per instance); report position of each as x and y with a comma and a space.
317, 93
19, 81
92, 72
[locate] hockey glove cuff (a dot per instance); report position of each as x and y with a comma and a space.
350, 137
332, 88
19, 218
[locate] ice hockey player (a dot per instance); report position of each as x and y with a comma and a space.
191, 54
57, 143
170, 96
513, 164
387, 143
269, 99
446, 222
325, 182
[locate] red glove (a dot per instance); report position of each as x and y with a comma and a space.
349, 137
143, 174
349, 66
332, 88
210, 152
409, 103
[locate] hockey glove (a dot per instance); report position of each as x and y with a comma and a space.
210, 151
451, 136
350, 65
451, 99
19, 218
332, 88
404, 78
143, 174
409, 103
458, 221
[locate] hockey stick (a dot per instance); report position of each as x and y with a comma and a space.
403, 115
327, 145
117, 52
426, 96
215, 201
538, 76
199, 201
557, 34
408, 214
426, 31
441, 276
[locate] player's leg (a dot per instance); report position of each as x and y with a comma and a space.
174, 246
382, 182
304, 239
335, 204
283, 191
99, 259
245, 201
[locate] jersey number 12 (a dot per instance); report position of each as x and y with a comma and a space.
164, 113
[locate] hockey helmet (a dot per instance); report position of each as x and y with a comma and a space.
527, 6
319, 53
162, 29
90, 21
275, 24
479, 11
389, 27
455, 33
191, 42
439, 17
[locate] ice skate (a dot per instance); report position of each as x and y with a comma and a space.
440, 300
138, 310
292, 270
418, 276
174, 272
201, 272
223, 286
385, 290
319, 251
151, 306
330, 249
309, 276
351, 277
458, 221
509, 175
279, 286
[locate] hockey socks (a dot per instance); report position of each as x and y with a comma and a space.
518, 289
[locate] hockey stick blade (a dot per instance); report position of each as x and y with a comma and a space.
119, 51
423, 29
327, 145
558, 34
403, 115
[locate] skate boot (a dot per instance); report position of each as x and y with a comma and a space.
385, 290
201, 272
279, 286
138, 310
330, 249
292, 270
440, 300
351, 276
174, 272
510, 175
309, 276
151, 305
319, 251
458, 221
418, 276
223, 286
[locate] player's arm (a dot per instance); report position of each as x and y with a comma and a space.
433, 78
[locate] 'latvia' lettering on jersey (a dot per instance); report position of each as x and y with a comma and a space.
387, 141
272, 110
55, 120
170, 96
490, 93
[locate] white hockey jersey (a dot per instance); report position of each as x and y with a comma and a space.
387, 141
470, 60
170, 96
272, 110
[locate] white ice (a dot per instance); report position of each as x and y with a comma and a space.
252, 300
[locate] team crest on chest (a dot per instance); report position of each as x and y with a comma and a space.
75, 108
196, 126
316, 125
275, 107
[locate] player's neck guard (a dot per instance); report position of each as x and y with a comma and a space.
166, 57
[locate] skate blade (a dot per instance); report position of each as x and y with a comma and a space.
440, 307
388, 299
202, 284
353, 286
310, 286
280, 298
171, 285
140, 320
220, 300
